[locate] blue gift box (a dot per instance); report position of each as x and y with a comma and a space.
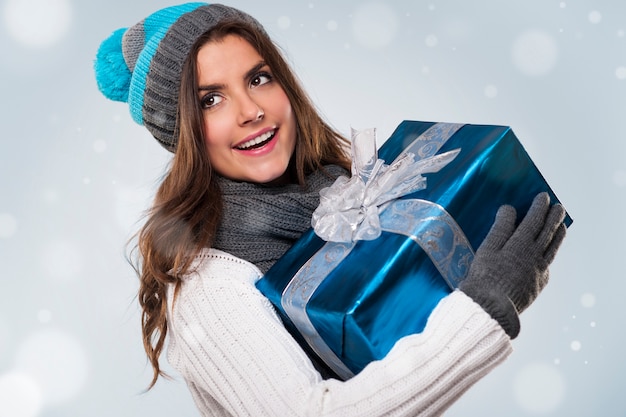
347, 303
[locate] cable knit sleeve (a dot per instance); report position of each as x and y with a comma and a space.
237, 358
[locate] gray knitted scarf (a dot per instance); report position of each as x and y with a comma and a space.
260, 222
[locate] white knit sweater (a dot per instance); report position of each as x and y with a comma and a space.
230, 346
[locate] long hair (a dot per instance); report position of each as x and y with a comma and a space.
188, 204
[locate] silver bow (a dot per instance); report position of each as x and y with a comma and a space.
349, 209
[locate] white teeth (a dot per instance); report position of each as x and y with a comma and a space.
261, 138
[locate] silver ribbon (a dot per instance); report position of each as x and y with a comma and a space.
361, 207
350, 209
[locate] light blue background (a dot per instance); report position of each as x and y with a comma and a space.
77, 173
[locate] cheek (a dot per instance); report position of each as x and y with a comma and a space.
285, 106
215, 132
215, 145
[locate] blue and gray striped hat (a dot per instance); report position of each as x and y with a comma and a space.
142, 65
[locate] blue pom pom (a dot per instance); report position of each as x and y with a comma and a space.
112, 74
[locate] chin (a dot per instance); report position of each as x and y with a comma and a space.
276, 179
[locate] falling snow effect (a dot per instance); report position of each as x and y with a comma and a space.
37, 23
20, 395
491, 91
78, 175
374, 25
539, 388
534, 53
8, 225
56, 362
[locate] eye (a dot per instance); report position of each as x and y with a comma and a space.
260, 79
210, 100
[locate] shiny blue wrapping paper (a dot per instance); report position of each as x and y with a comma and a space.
386, 288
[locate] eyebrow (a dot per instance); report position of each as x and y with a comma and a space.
218, 86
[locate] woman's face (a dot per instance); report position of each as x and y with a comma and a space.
249, 127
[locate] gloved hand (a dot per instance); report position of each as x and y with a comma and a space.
511, 265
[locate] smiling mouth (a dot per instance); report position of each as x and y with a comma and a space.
257, 142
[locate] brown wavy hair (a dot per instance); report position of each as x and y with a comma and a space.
187, 207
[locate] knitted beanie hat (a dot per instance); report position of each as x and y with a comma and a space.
142, 65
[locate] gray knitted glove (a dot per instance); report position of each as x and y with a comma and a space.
511, 265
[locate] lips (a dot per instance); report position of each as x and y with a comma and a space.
258, 141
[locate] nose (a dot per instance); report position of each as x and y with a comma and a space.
249, 110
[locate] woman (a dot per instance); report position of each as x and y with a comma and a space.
250, 156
